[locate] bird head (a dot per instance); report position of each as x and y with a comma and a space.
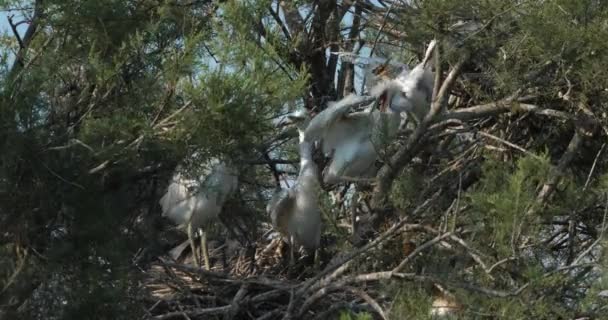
391, 96
300, 118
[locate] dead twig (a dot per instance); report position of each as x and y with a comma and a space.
512, 145
419, 249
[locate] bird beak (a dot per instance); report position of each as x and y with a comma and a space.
383, 102
293, 119
382, 70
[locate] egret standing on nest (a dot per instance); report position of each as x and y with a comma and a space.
295, 212
192, 204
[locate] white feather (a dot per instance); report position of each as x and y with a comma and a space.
198, 202
295, 212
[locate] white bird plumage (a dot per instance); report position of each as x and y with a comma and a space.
410, 91
352, 139
192, 203
373, 68
295, 212
346, 138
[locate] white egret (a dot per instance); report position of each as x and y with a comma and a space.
352, 140
295, 212
191, 203
411, 91
374, 69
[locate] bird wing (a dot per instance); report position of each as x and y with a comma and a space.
220, 183
418, 88
177, 202
322, 122
350, 128
280, 208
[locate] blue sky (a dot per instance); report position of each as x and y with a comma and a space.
5, 27
6, 30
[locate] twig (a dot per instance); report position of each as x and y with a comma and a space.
512, 145
499, 262
388, 11
270, 315
367, 298
420, 249
194, 313
62, 178
556, 172
498, 107
315, 297
99, 167
171, 116
236, 301
595, 243
27, 38
473, 253
380, 239
290, 306
385, 275
15, 32
597, 156
277, 19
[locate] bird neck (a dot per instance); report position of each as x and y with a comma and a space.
305, 149
302, 135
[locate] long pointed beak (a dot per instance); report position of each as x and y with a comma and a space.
293, 120
383, 102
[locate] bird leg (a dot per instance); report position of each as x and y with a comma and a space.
291, 254
195, 256
204, 249
414, 118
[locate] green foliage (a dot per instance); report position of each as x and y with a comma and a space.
411, 302
347, 315
406, 189
502, 198
114, 94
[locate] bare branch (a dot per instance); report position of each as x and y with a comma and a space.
512, 145
277, 19
15, 32
419, 249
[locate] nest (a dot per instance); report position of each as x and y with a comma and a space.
264, 286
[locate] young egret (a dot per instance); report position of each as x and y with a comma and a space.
191, 204
295, 212
375, 69
411, 91
352, 139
